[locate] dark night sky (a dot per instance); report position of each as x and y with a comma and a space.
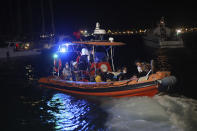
71, 15
124, 14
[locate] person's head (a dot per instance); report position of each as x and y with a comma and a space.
124, 69
119, 70
67, 65
84, 51
75, 64
138, 63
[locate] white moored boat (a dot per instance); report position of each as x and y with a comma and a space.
17, 49
163, 37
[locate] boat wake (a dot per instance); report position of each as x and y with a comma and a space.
159, 113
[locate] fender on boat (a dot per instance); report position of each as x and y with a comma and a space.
166, 83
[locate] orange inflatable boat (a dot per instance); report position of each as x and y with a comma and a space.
144, 86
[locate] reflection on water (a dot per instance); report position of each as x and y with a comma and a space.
29, 72
33, 108
162, 60
69, 113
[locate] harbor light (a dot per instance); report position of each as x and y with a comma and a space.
178, 31
63, 49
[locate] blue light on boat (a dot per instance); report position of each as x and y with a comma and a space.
63, 49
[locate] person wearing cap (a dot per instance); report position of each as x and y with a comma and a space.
67, 72
75, 72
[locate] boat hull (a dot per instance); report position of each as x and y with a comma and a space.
144, 86
147, 91
110, 89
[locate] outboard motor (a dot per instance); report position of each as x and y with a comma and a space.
167, 83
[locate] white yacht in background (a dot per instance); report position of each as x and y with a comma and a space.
163, 37
17, 49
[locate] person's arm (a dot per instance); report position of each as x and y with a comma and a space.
63, 71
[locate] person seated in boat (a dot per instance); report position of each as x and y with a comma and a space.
114, 76
66, 72
98, 77
124, 75
134, 77
75, 72
142, 68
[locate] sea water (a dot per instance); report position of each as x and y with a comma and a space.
29, 107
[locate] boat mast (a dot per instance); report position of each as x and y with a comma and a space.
52, 16
112, 60
42, 15
162, 29
19, 18
11, 18
52, 20
30, 19
94, 60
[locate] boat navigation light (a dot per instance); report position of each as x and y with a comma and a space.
67, 44
63, 48
55, 56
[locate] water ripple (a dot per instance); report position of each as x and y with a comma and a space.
69, 113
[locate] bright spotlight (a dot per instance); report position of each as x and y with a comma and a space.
63, 49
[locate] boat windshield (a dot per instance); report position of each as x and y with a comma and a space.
70, 51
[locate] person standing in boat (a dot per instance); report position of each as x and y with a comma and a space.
84, 66
83, 61
67, 72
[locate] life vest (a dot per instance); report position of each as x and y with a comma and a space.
103, 66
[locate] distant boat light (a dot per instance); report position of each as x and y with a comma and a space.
178, 31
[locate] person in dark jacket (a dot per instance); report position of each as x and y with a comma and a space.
124, 74
142, 68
